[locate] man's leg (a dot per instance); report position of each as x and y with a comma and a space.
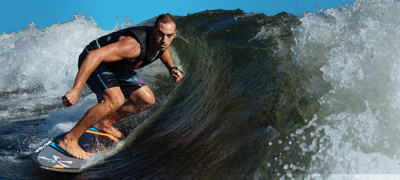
140, 100
113, 99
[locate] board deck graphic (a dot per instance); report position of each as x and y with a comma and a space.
49, 156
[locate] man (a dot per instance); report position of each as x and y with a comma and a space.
107, 65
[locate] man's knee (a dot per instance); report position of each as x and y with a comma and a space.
143, 97
114, 103
113, 100
118, 102
145, 101
150, 102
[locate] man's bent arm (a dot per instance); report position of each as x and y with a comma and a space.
126, 48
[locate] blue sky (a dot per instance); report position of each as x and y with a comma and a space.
16, 15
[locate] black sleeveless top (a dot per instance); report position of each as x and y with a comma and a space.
141, 34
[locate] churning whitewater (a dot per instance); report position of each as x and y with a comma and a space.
263, 97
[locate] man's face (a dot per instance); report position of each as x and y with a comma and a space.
164, 33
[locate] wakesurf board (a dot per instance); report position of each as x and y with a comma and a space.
94, 141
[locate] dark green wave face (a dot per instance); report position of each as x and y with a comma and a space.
236, 99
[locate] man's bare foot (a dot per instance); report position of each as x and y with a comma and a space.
72, 148
110, 130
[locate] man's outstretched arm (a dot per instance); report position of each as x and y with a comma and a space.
166, 58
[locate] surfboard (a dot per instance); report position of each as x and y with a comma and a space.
49, 156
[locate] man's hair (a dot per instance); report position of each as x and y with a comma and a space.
165, 18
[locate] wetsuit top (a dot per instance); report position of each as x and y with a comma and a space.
141, 34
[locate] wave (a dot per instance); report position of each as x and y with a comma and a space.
263, 97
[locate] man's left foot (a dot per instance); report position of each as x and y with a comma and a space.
110, 130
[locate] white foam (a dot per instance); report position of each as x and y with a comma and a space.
352, 57
38, 66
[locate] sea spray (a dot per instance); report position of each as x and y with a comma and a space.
39, 65
350, 56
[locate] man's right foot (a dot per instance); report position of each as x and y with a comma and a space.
72, 148
110, 130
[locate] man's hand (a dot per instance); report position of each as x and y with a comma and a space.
71, 97
176, 74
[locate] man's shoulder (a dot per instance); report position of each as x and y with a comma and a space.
138, 28
140, 33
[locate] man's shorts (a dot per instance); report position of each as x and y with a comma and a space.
103, 78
